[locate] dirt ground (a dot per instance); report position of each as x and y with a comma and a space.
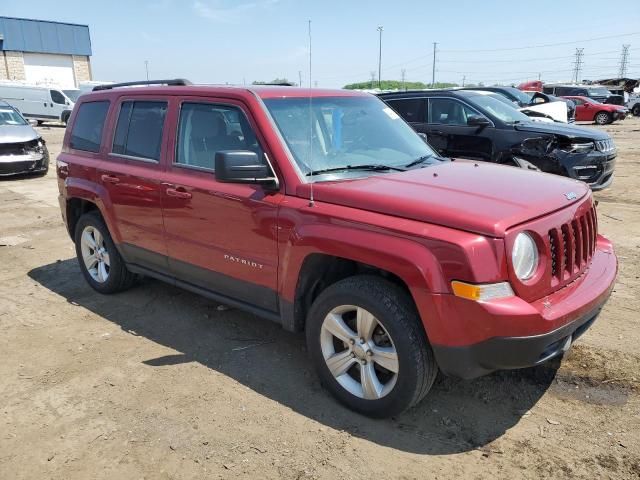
159, 383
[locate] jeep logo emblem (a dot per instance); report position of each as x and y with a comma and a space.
571, 195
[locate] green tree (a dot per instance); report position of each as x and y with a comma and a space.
397, 85
274, 81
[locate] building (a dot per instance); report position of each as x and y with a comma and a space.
44, 53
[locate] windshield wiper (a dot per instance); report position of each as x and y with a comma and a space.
418, 161
372, 167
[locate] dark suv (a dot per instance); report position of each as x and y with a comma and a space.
324, 211
467, 124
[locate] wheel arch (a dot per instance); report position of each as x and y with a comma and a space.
82, 196
326, 258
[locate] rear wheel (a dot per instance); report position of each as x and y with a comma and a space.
636, 110
368, 345
602, 118
100, 262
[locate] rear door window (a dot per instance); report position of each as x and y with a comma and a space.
88, 125
413, 110
139, 129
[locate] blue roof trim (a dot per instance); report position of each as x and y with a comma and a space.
40, 36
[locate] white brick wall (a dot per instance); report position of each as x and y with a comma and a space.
82, 69
13, 66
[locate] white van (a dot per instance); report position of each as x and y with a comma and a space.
38, 103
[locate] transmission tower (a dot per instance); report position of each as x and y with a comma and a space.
624, 61
577, 65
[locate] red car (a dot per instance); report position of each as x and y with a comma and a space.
589, 110
324, 211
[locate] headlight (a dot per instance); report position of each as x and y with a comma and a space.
34, 147
581, 147
524, 256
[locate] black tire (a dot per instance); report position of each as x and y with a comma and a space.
636, 110
119, 278
603, 118
394, 309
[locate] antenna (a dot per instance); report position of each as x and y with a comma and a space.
311, 200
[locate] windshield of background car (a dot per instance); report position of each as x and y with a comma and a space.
522, 97
72, 94
500, 110
598, 92
8, 116
347, 132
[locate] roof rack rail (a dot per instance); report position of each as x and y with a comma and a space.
174, 81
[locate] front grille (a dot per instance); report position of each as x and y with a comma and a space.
571, 246
13, 148
605, 146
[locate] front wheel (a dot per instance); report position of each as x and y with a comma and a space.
368, 346
602, 118
636, 110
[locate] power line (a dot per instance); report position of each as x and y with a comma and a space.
572, 42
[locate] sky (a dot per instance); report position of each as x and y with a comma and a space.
225, 41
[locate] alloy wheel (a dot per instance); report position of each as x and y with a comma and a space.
602, 119
94, 254
359, 352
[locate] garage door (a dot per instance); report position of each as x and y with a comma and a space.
41, 68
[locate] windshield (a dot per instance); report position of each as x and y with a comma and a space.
598, 92
501, 110
347, 132
8, 116
72, 94
522, 97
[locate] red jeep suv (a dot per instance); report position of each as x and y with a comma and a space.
324, 211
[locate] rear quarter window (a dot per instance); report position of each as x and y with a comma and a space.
88, 125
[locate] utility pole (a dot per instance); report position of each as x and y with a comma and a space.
380, 58
624, 61
577, 65
539, 76
464, 77
146, 68
300, 78
403, 74
373, 78
433, 71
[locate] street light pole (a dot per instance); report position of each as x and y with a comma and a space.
433, 71
380, 59
146, 68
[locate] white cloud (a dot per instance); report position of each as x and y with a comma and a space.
222, 11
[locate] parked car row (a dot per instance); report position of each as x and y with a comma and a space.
324, 211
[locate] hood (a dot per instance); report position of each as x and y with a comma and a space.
17, 133
478, 197
567, 130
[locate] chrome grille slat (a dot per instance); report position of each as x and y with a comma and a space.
571, 246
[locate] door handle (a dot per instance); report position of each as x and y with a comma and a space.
110, 179
178, 192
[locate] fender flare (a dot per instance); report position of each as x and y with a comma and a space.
99, 196
410, 261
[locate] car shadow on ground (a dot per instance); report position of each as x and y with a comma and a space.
456, 416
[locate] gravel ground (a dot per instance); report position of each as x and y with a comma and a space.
159, 383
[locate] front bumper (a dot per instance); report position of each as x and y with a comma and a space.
594, 168
21, 164
511, 333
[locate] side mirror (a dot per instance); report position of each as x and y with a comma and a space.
242, 166
423, 136
477, 121
33, 122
